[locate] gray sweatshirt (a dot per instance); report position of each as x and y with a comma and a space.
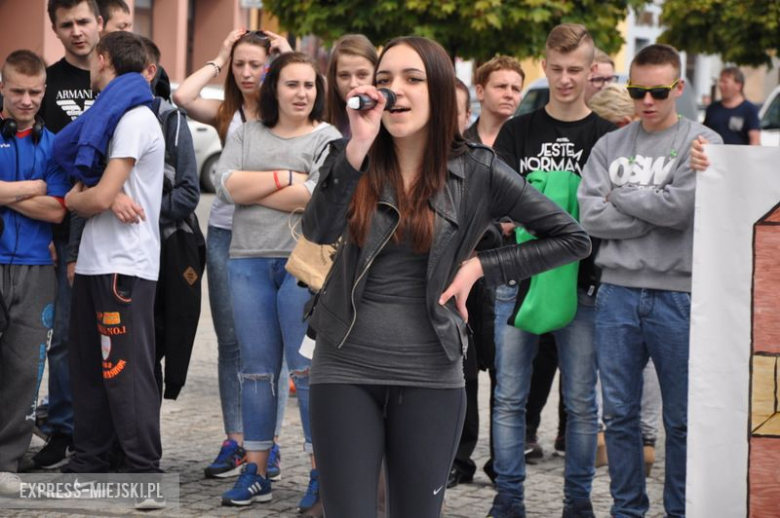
637, 195
259, 231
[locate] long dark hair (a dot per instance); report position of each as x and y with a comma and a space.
269, 104
443, 141
347, 45
234, 99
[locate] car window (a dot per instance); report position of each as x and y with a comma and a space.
771, 118
533, 100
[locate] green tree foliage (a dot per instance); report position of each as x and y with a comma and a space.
745, 32
476, 29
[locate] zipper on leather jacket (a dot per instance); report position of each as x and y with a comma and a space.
368, 265
469, 332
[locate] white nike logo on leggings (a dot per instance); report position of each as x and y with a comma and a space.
436, 491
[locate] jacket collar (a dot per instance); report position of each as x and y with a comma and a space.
446, 201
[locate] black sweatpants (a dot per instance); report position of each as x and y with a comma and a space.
111, 358
416, 430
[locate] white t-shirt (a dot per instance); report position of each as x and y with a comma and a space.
110, 246
222, 213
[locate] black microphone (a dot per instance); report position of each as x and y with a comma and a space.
364, 102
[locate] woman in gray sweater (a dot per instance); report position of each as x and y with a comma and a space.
268, 170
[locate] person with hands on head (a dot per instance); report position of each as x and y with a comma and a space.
245, 54
409, 199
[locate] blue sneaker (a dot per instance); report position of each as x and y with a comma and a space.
250, 487
229, 462
312, 495
274, 468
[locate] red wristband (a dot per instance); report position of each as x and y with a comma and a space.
276, 180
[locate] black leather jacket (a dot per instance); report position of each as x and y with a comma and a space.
480, 188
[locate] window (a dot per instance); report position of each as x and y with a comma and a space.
771, 119
142, 18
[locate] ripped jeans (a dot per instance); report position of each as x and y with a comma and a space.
268, 316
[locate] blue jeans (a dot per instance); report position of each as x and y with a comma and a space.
229, 354
633, 325
515, 353
268, 317
60, 418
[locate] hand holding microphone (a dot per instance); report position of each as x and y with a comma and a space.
365, 119
363, 102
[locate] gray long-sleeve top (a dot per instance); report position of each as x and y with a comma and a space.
260, 231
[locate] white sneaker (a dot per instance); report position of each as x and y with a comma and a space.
149, 504
10, 483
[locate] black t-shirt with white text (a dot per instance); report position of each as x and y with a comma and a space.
68, 95
536, 141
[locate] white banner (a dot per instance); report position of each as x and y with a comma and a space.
733, 418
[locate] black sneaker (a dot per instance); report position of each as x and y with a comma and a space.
578, 509
505, 507
55, 453
458, 477
490, 471
533, 450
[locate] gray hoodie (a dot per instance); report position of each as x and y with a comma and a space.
637, 195
181, 191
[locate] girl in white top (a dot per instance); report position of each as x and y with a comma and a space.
245, 54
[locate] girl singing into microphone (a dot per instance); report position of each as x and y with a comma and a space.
409, 200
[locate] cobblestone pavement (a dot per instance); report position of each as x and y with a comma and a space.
192, 433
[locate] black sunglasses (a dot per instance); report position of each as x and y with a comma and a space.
658, 93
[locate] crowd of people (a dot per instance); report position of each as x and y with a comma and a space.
560, 239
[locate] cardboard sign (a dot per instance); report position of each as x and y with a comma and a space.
734, 386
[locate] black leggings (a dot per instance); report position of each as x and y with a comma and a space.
416, 430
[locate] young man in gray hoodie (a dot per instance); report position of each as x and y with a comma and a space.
637, 195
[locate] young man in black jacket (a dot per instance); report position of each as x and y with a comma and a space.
182, 250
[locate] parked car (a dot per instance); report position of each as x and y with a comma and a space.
538, 94
770, 119
208, 147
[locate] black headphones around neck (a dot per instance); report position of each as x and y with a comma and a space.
9, 127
